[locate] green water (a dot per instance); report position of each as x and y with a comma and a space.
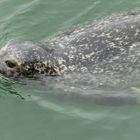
41, 116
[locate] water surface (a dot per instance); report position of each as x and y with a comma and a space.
47, 109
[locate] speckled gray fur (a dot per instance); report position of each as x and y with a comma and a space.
110, 46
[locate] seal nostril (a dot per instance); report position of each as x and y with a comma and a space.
10, 63
2, 71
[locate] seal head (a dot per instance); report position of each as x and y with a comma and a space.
26, 59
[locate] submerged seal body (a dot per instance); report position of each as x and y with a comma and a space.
106, 47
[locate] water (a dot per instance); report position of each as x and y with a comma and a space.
40, 109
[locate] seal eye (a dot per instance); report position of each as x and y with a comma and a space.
10, 64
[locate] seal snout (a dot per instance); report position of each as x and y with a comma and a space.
8, 68
3, 68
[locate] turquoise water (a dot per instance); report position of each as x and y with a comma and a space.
40, 110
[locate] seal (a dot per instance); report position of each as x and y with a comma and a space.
110, 46
25, 59
108, 49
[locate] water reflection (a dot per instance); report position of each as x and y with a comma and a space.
80, 88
